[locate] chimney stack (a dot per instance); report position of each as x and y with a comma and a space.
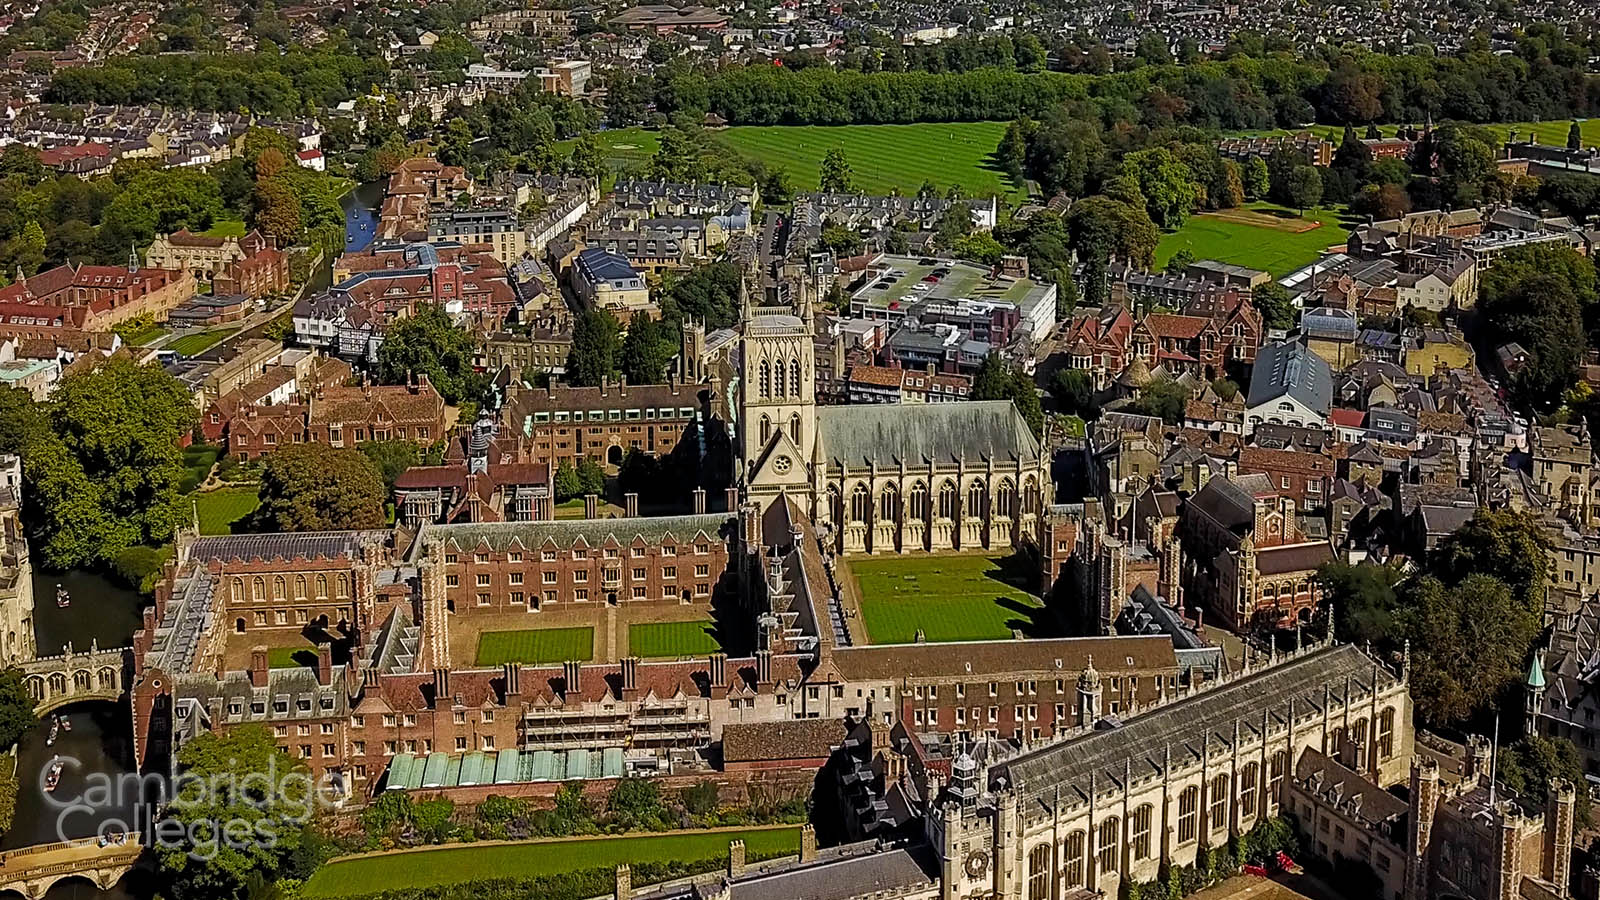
763, 667
572, 670
511, 676
731, 497
808, 842
719, 670
258, 666
441, 687
630, 673
630, 505
324, 663
699, 501
591, 506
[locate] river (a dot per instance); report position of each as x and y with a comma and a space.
361, 215
101, 735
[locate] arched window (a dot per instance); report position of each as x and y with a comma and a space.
344, 585
278, 587
1386, 733
1039, 873
794, 428
780, 384
766, 429
1247, 790
766, 379
258, 589
1072, 860
835, 505
919, 502
794, 377
1275, 772
1219, 802
299, 587
322, 586
859, 501
238, 589
1140, 824
1030, 496
889, 504
977, 501
1005, 502
1358, 734
1188, 809
1110, 840
947, 500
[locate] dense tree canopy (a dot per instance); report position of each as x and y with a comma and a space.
428, 343
317, 487
101, 461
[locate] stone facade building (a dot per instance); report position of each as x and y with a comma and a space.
16, 569
945, 476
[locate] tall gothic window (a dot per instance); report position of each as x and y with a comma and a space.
859, 501
1188, 810
1039, 873
1072, 860
1110, 842
780, 390
794, 376
766, 379
919, 502
947, 500
1140, 823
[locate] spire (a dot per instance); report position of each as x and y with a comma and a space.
1535, 679
133, 258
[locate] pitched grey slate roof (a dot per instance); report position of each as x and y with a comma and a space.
1231, 502
565, 532
922, 432
1138, 745
1294, 370
305, 545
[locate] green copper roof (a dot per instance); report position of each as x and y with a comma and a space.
1536, 673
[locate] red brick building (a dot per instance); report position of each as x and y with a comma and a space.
570, 424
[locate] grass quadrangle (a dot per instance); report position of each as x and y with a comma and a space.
951, 598
535, 646
670, 639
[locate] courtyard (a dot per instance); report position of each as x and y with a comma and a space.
584, 632
949, 597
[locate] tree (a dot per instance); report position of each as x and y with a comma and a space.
1469, 641
1509, 544
1164, 399
1305, 188
1179, 261
567, 485
635, 803
1073, 391
591, 478
428, 343
1575, 137
708, 294
316, 487
1381, 201
16, 708
101, 469
647, 350
595, 344
1152, 48
1257, 180
392, 459
1272, 301
1528, 766
996, 380
1167, 185
1541, 312
1365, 598
240, 778
277, 211
836, 175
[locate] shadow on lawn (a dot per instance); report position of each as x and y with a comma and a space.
1031, 621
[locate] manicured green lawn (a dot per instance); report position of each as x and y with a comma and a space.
672, 639
197, 462
196, 344
292, 657
1278, 250
225, 228
146, 335
450, 865
883, 157
535, 646
951, 598
223, 510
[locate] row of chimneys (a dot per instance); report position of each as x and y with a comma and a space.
736, 862
630, 503
673, 382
